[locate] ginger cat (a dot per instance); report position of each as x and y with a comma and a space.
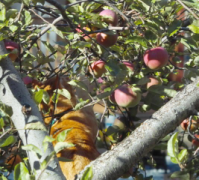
82, 122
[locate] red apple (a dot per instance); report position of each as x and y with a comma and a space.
154, 81
156, 58
98, 68
12, 48
125, 96
194, 141
112, 18
194, 124
27, 80
106, 39
129, 65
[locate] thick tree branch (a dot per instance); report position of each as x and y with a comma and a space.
112, 164
14, 93
62, 10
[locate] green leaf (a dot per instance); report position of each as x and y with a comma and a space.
184, 41
196, 61
150, 36
46, 97
137, 39
38, 96
172, 146
182, 175
62, 136
2, 124
145, 107
162, 90
81, 104
7, 141
21, 172
46, 141
104, 95
36, 126
194, 28
183, 155
191, 3
2, 177
2, 14
41, 59
161, 146
143, 81
62, 145
28, 18
13, 28
64, 92
88, 174
11, 13
145, 4
3, 55
58, 32
40, 1
81, 44
47, 160
31, 147
174, 27
48, 46
55, 98
174, 160
26, 2
79, 84
170, 92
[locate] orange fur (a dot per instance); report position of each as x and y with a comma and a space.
82, 122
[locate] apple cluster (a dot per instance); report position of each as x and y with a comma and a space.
126, 95
107, 39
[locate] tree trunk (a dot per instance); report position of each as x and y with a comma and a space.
14, 93
112, 164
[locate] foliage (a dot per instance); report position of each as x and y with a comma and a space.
144, 25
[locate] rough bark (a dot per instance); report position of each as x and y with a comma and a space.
14, 93
112, 164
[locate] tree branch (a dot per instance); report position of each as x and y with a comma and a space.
112, 164
14, 93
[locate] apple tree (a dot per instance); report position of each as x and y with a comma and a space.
128, 57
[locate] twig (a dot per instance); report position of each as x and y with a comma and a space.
19, 14
47, 10
44, 31
39, 16
102, 117
39, 177
78, 2
5, 133
62, 11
